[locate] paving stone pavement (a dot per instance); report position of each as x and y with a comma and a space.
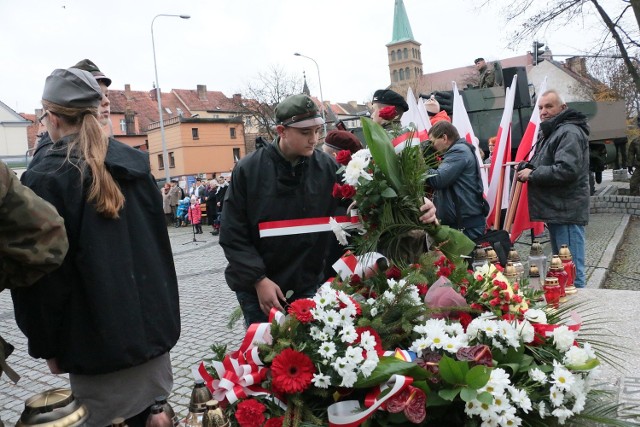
206, 302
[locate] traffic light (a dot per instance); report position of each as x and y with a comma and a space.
537, 52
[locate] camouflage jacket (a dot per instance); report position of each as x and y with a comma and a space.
634, 152
33, 239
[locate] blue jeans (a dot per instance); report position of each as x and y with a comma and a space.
250, 304
571, 235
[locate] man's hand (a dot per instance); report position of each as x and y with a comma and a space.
269, 295
630, 169
429, 210
523, 175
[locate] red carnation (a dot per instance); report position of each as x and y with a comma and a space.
292, 371
464, 318
393, 273
423, 288
250, 413
343, 157
348, 191
388, 113
355, 280
274, 422
337, 191
301, 310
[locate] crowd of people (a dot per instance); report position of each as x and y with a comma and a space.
108, 314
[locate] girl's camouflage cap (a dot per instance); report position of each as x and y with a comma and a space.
298, 111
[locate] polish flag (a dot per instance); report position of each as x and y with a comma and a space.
413, 120
526, 149
461, 122
499, 178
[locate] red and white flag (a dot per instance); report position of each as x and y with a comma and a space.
413, 120
526, 149
461, 122
499, 178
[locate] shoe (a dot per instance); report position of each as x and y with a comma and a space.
215, 233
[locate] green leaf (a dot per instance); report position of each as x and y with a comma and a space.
289, 294
388, 366
452, 371
590, 364
485, 397
449, 394
478, 376
514, 367
389, 193
382, 152
468, 394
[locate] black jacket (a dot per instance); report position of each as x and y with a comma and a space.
458, 187
266, 187
114, 302
559, 184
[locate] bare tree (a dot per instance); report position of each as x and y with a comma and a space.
260, 97
620, 20
617, 83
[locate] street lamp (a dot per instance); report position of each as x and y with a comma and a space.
165, 155
320, 82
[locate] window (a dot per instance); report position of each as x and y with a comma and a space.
168, 110
232, 133
180, 112
393, 56
395, 75
399, 53
194, 133
407, 73
160, 162
406, 53
236, 155
123, 125
401, 74
172, 160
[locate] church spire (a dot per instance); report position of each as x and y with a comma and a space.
305, 88
401, 27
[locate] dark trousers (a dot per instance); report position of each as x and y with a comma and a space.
250, 305
138, 420
621, 154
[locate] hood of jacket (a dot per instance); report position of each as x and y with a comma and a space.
570, 116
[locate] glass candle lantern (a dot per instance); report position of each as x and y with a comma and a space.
552, 291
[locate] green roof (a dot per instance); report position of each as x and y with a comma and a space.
401, 27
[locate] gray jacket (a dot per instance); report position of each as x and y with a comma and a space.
458, 179
559, 184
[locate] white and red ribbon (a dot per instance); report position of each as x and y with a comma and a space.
241, 372
347, 414
362, 265
290, 227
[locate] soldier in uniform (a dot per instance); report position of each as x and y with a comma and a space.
487, 76
634, 161
33, 242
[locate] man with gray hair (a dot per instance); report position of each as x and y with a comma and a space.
558, 177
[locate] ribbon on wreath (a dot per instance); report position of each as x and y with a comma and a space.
346, 414
403, 141
290, 227
362, 265
544, 330
241, 372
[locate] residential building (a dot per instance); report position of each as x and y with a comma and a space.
13, 137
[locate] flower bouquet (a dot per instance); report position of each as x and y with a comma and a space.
370, 351
415, 340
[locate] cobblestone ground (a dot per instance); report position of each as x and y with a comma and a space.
206, 303
624, 272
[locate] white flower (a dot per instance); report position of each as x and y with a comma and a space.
331, 318
340, 233
498, 381
321, 380
354, 355
556, 396
537, 375
367, 367
578, 405
575, 356
348, 334
563, 338
562, 414
373, 356
562, 377
318, 334
327, 349
534, 315
364, 155
526, 331
348, 379
520, 398
453, 344
473, 407
420, 344
367, 341
542, 409
356, 169
374, 312
324, 299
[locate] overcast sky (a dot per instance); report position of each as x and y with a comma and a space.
226, 43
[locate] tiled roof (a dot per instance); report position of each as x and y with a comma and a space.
32, 130
211, 101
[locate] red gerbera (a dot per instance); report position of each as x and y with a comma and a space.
274, 422
301, 310
374, 334
292, 371
250, 413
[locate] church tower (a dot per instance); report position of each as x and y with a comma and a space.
404, 55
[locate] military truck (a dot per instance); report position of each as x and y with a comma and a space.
485, 106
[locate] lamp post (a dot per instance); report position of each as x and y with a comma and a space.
320, 83
165, 155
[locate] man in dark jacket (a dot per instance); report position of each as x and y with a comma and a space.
458, 187
287, 180
559, 177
